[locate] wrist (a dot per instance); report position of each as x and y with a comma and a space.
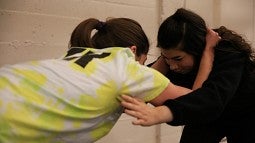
209, 48
208, 51
165, 114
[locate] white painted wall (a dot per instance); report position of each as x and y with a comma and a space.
234, 14
39, 29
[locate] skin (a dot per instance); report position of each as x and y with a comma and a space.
144, 114
142, 58
178, 61
183, 62
172, 91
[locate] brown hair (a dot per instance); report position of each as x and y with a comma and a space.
236, 41
186, 31
115, 32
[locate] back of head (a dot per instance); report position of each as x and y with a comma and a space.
184, 30
115, 32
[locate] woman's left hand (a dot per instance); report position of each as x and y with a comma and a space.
146, 115
212, 38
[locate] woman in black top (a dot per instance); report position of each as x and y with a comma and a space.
225, 105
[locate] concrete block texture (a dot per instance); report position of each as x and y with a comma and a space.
40, 29
44, 24
36, 29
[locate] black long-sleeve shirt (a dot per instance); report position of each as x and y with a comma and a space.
228, 93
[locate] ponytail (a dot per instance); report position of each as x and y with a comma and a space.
115, 32
81, 36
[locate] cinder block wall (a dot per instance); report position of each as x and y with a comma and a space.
40, 29
36, 29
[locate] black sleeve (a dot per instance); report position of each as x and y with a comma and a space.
207, 103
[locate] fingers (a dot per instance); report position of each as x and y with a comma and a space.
129, 102
129, 99
212, 38
128, 105
139, 117
139, 122
136, 108
218, 36
134, 113
212, 32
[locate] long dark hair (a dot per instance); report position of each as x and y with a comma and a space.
236, 41
115, 32
186, 31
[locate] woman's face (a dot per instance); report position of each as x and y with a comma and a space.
178, 61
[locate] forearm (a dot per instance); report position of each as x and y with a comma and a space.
171, 92
205, 68
206, 61
164, 114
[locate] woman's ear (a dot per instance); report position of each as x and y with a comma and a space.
133, 49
